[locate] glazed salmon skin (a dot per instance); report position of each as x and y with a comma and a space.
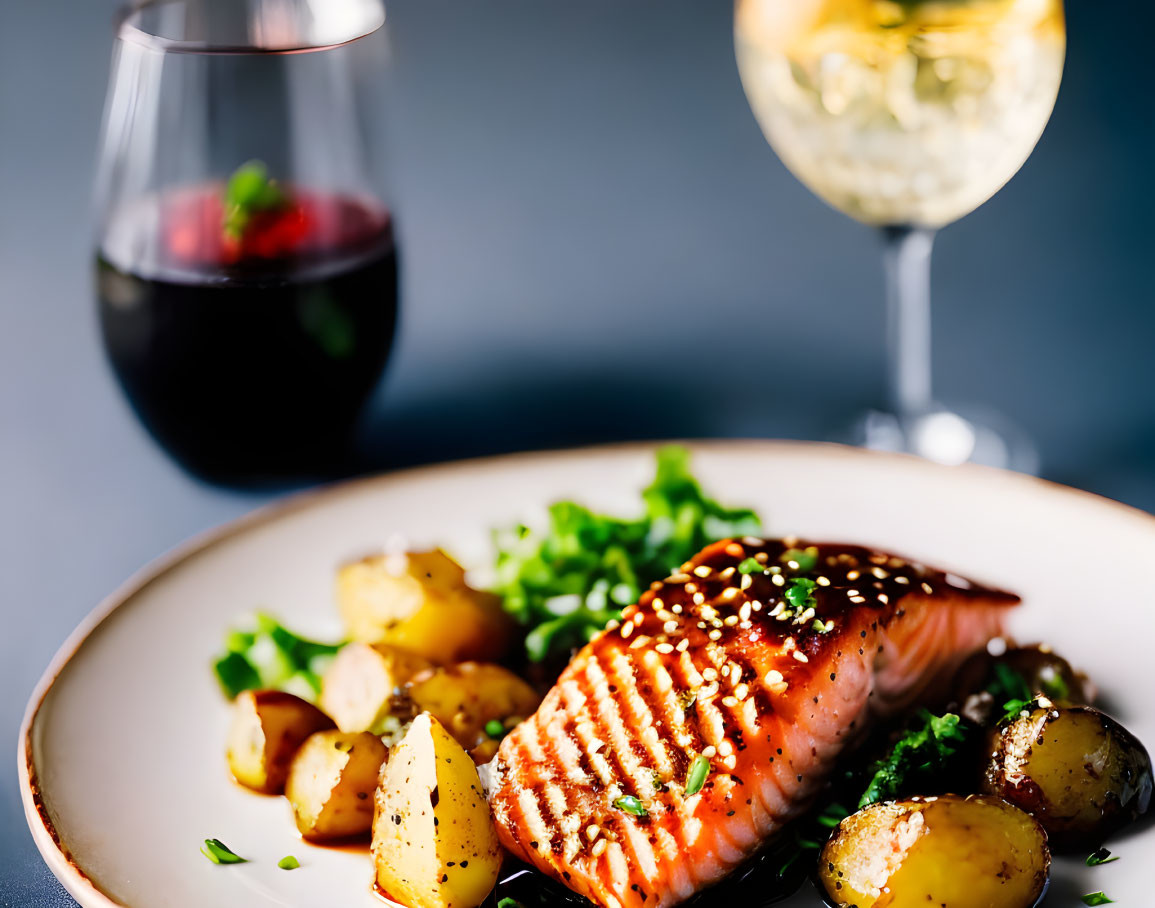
743, 676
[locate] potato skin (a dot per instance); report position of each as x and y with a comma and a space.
435, 842
1045, 671
464, 697
950, 852
362, 685
421, 603
267, 728
331, 783
1080, 773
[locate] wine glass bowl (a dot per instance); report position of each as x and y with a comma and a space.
246, 271
907, 115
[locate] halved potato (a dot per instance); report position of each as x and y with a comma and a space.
267, 728
435, 843
421, 602
465, 697
331, 783
960, 852
362, 686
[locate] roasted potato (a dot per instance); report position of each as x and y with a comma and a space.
1075, 770
331, 783
434, 839
267, 728
421, 602
950, 852
1044, 671
365, 682
466, 697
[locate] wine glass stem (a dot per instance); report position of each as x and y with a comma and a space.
907, 259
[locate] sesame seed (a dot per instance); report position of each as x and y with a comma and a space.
664, 648
744, 611
857, 598
822, 581
756, 605
640, 642
678, 578
710, 674
699, 598
730, 762
707, 691
852, 575
599, 848
709, 613
730, 592
741, 691
788, 644
683, 645
852, 593
725, 749
779, 688
658, 603
883, 598
879, 573
735, 673
753, 541
702, 570
670, 627
676, 609
734, 550
613, 625
694, 678
730, 701
761, 557
901, 579
778, 609
793, 565
778, 580
731, 620
627, 629
926, 588
728, 573
691, 587
592, 832
709, 752
702, 625
773, 676
715, 634
800, 656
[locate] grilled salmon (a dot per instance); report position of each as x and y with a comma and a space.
682, 737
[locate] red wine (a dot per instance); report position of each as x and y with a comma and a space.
250, 358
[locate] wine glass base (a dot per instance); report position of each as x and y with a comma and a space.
949, 437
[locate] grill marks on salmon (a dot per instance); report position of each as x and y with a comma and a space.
766, 657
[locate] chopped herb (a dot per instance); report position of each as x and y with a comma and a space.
510, 903
1012, 709
495, 728
800, 593
923, 750
1009, 685
1097, 898
594, 564
1102, 856
288, 863
806, 559
250, 190
1054, 685
696, 777
819, 625
751, 566
270, 656
220, 853
630, 804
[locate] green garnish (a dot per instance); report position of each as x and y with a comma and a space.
751, 566
630, 804
270, 656
1012, 709
923, 750
1054, 685
250, 190
564, 585
1009, 685
1102, 856
819, 625
696, 777
495, 728
800, 593
1097, 898
220, 853
510, 903
806, 559
288, 863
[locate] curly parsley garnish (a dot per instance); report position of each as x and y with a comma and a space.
270, 656
924, 749
800, 593
566, 584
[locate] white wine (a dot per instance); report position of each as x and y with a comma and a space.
902, 112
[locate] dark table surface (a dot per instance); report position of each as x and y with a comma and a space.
597, 244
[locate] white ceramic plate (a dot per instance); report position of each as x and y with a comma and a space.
121, 762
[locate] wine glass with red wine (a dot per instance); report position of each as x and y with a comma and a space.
246, 268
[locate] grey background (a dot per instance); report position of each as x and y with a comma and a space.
598, 244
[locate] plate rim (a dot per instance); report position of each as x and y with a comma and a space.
55, 852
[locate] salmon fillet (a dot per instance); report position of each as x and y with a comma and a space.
765, 658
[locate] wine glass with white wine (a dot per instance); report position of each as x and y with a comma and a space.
907, 115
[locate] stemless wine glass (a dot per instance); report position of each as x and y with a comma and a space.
906, 115
246, 270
